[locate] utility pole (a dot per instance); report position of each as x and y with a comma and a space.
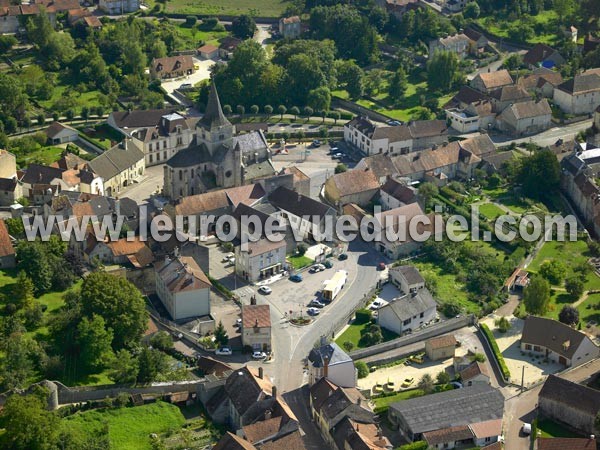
522, 379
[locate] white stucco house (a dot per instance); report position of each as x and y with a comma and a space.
581, 94
333, 363
408, 313
558, 342
182, 287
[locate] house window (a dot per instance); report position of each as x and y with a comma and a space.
150, 158
164, 155
422, 314
164, 144
150, 146
180, 175
406, 322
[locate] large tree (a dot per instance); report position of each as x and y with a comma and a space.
568, 315
539, 174
554, 271
94, 340
118, 302
443, 71
536, 296
243, 27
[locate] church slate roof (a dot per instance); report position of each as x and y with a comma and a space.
213, 115
196, 154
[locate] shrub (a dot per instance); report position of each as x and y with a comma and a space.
348, 346
363, 316
419, 445
362, 369
490, 338
503, 324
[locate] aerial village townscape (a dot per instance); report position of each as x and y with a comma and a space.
302, 113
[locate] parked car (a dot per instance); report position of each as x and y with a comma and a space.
343, 257
238, 323
328, 264
227, 257
316, 303
259, 355
223, 351
394, 122
265, 290
526, 429
313, 311
297, 278
376, 304
177, 335
381, 266
316, 143
337, 155
317, 268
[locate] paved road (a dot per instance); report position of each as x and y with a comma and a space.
522, 408
548, 137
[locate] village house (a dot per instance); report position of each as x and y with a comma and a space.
417, 418
10, 191
290, 27
227, 46
7, 251
208, 51
395, 140
407, 278
344, 418
557, 342
541, 81
354, 186
300, 181
40, 183
331, 362
394, 194
171, 67
398, 8
506, 96
542, 55
307, 217
476, 372
59, 133
182, 287
579, 95
160, 133
457, 43
478, 115
121, 251
116, 7
408, 313
119, 166
569, 403
261, 259
441, 347
14, 16
256, 327
478, 41
487, 82
525, 118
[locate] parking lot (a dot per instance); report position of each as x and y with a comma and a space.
509, 344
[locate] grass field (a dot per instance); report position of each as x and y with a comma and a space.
89, 99
552, 430
353, 334
44, 156
491, 211
502, 28
259, 8
130, 428
382, 403
195, 37
298, 262
407, 107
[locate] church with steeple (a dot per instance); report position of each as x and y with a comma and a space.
217, 157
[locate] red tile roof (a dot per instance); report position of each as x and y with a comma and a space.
6, 247
256, 316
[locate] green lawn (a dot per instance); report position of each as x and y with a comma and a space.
89, 99
408, 106
544, 19
44, 156
298, 262
491, 211
382, 403
103, 135
353, 334
448, 288
552, 429
590, 309
259, 8
130, 428
195, 37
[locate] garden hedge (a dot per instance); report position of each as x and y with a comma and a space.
497, 354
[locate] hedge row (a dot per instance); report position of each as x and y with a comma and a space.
490, 337
219, 287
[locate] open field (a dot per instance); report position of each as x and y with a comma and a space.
194, 37
541, 23
491, 211
130, 428
260, 8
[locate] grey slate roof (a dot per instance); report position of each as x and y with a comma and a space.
38, 174
116, 160
573, 395
446, 409
331, 351
410, 273
213, 115
298, 204
411, 305
140, 118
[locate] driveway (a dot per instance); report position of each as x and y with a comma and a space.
203, 73
151, 183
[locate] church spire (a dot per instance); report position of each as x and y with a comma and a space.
213, 116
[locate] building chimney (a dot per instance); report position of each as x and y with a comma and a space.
274, 391
359, 401
260, 373
326, 366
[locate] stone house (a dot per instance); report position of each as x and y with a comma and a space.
353, 186
290, 27
261, 259
476, 372
457, 43
570, 403
441, 347
171, 67
579, 95
331, 362
256, 327
542, 55
394, 194
525, 118
407, 313
487, 82
116, 7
